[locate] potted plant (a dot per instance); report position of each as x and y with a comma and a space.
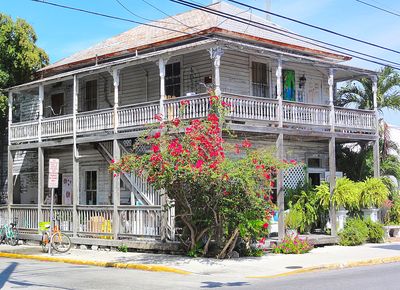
346, 196
374, 193
293, 221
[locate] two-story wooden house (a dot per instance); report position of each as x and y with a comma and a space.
88, 108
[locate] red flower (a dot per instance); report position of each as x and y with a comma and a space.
237, 148
225, 193
158, 117
157, 135
225, 104
112, 161
262, 241
184, 102
265, 225
155, 148
176, 122
199, 163
267, 176
294, 162
213, 118
213, 99
272, 184
246, 144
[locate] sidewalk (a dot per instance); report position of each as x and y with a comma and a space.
270, 265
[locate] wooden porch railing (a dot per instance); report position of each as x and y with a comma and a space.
245, 108
95, 219
306, 114
27, 216
3, 215
62, 213
140, 220
95, 120
138, 114
355, 119
56, 126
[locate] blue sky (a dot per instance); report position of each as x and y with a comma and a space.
62, 32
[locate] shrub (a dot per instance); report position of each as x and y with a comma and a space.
294, 218
374, 193
347, 194
375, 231
292, 246
122, 248
355, 233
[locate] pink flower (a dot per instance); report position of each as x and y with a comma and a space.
246, 144
184, 103
176, 122
158, 117
157, 135
265, 225
112, 161
155, 148
199, 163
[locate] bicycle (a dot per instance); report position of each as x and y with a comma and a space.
9, 233
58, 240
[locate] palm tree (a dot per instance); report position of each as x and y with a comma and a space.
358, 94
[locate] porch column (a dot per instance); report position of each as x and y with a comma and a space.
376, 142
215, 54
40, 156
332, 152
10, 160
162, 62
116, 156
115, 75
75, 160
280, 154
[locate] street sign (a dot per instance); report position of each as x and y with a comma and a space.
53, 172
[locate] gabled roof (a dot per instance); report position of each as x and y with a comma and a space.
190, 25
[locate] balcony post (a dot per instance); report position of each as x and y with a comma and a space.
75, 160
40, 156
115, 75
162, 62
10, 161
332, 152
376, 142
280, 154
216, 53
116, 156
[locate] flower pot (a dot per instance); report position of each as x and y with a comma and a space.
341, 216
371, 213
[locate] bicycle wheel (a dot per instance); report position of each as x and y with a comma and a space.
14, 237
45, 242
60, 242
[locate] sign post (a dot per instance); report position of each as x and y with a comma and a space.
53, 183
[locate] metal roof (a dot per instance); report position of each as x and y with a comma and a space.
197, 23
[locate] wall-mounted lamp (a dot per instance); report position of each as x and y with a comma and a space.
302, 81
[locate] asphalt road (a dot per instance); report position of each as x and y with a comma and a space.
27, 274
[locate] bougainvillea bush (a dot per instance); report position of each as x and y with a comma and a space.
218, 199
291, 245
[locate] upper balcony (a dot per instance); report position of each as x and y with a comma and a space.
248, 111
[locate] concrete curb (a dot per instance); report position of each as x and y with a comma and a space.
335, 266
143, 267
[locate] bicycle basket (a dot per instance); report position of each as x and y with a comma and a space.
44, 226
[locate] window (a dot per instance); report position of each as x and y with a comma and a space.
259, 79
314, 162
57, 104
314, 178
91, 95
91, 187
173, 79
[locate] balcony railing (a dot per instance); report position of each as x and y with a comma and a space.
242, 108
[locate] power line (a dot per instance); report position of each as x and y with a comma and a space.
141, 17
316, 27
379, 8
286, 33
159, 27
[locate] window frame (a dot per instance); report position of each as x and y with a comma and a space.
91, 190
177, 78
268, 79
88, 101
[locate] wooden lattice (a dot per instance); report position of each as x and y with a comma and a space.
294, 176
